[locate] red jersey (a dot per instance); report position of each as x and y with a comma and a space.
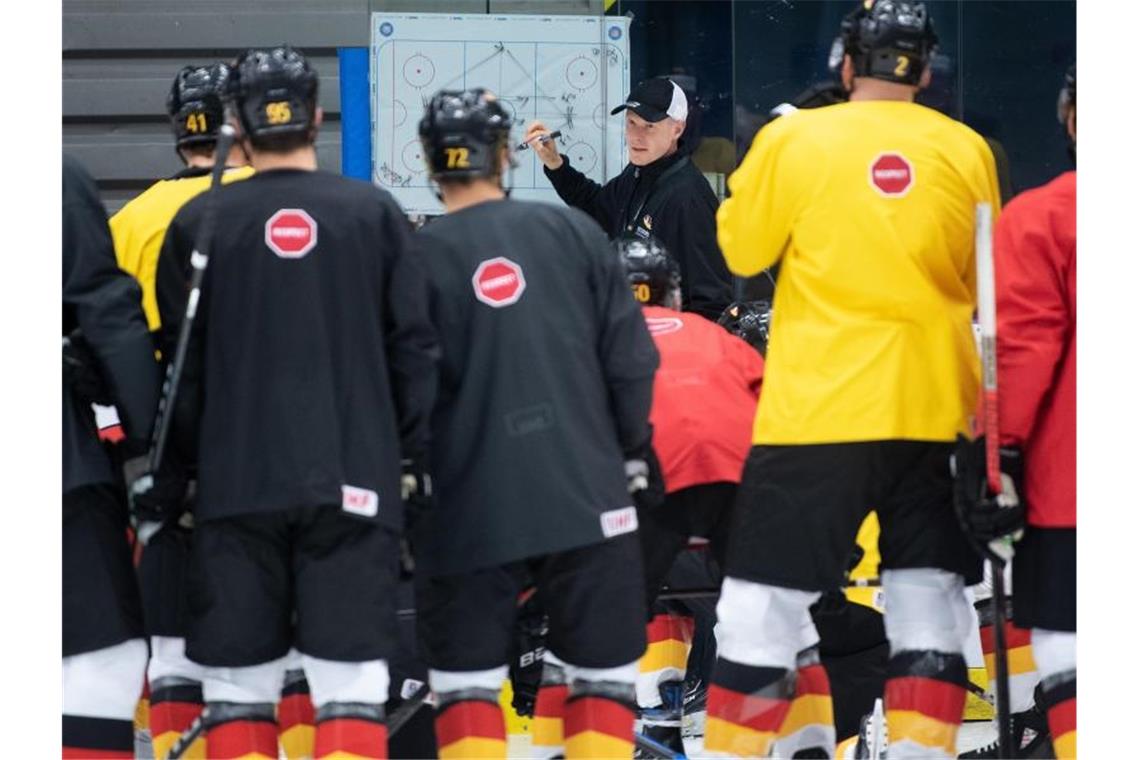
1035, 267
704, 398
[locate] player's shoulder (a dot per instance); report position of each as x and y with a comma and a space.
1057, 195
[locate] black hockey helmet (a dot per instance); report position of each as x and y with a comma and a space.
463, 133
749, 320
653, 275
274, 92
195, 104
891, 40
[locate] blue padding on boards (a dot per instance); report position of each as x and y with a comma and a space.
355, 119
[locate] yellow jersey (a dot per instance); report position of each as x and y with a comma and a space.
139, 227
869, 206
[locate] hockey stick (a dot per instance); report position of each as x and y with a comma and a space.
1002, 549
188, 737
198, 261
199, 258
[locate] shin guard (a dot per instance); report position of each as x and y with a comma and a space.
747, 705
238, 730
296, 719
174, 704
925, 697
469, 724
809, 729
1059, 693
550, 711
350, 731
599, 719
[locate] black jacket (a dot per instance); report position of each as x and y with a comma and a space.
307, 374
106, 304
540, 398
675, 205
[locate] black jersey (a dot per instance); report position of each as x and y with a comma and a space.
105, 303
546, 381
312, 367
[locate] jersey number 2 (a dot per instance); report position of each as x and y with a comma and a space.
902, 65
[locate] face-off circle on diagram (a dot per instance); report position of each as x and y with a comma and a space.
581, 73
419, 71
583, 157
399, 113
414, 157
600, 116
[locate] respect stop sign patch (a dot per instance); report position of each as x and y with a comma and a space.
498, 282
892, 175
291, 233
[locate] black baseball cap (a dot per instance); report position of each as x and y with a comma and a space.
655, 99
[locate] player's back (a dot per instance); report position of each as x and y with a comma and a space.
704, 398
297, 305
871, 321
139, 226
523, 425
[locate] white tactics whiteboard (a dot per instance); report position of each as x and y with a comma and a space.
567, 71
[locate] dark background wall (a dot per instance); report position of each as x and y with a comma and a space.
999, 68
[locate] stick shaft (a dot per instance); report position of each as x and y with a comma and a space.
987, 319
198, 261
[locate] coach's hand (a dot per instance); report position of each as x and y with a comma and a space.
547, 151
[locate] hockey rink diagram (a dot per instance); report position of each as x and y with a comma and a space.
568, 72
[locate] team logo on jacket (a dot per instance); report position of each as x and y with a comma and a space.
291, 233
663, 325
498, 282
359, 501
891, 175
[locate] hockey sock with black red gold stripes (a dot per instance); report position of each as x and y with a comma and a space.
809, 729
240, 730
351, 730
1023, 675
670, 638
174, 704
925, 696
1059, 692
97, 738
549, 712
296, 719
747, 705
599, 719
469, 724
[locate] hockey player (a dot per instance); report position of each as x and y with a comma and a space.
195, 108
1035, 269
704, 395
104, 653
545, 389
660, 192
871, 372
196, 111
310, 376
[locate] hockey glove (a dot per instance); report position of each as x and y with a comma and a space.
644, 480
415, 487
987, 517
81, 371
154, 498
